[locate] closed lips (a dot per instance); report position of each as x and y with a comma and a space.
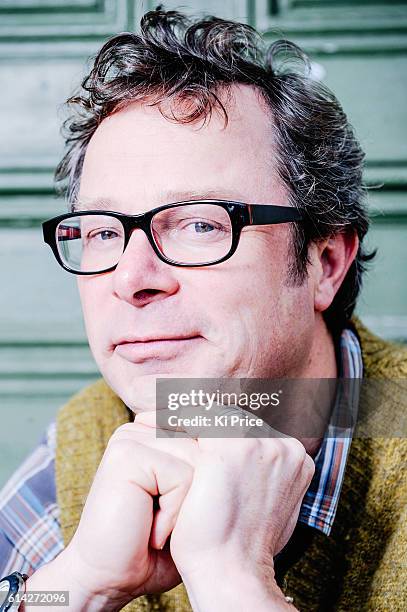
156, 339
157, 348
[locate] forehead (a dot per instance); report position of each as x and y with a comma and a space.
138, 159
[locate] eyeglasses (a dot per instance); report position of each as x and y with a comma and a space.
191, 233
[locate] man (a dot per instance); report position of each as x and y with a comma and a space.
252, 272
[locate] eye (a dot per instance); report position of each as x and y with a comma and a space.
103, 234
201, 227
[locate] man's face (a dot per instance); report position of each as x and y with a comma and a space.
240, 317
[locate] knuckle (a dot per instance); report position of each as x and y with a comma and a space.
121, 451
188, 476
125, 427
130, 431
293, 454
245, 450
251, 445
302, 463
271, 449
296, 450
309, 466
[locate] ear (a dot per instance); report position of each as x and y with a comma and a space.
331, 260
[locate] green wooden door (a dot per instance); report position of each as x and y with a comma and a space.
358, 48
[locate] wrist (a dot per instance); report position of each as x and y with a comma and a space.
61, 575
234, 588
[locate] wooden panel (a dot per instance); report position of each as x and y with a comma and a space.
227, 9
43, 360
25, 420
31, 141
40, 302
333, 20
23, 20
48, 72
364, 86
41, 6
27, 210
26, 408
383, 302
95, 18
44, 357
29, 108
359, 49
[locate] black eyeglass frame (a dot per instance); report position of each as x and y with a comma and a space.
241, 215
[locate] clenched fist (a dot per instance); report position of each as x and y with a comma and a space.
229, 505
239, 512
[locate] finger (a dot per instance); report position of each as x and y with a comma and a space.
151, 471
160, 426
146, 418
223, 422
186, 449
170, 498
218, 422
162, 423
193, 427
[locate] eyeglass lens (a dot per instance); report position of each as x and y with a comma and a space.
188, 234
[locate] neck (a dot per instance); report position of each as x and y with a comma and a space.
322, 359
321, 364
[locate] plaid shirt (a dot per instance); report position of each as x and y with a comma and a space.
30, 534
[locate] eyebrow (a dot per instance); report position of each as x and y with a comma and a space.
166, 197
93, 204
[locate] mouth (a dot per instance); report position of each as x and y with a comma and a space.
138, 351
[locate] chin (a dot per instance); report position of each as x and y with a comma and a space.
135, 384
139, 392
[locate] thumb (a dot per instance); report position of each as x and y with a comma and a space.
169, 500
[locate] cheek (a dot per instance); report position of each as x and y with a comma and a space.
93, 298
241, 299
257, 294
259, 273
247, 287
265, 251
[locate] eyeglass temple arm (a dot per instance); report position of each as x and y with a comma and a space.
265, 214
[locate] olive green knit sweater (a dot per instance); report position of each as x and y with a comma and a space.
360, 566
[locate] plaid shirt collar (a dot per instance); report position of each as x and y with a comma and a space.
320, 502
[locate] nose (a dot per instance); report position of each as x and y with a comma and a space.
140, 277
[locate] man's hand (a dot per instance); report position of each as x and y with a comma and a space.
239, 512
230, 505
116, 552
245, 496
